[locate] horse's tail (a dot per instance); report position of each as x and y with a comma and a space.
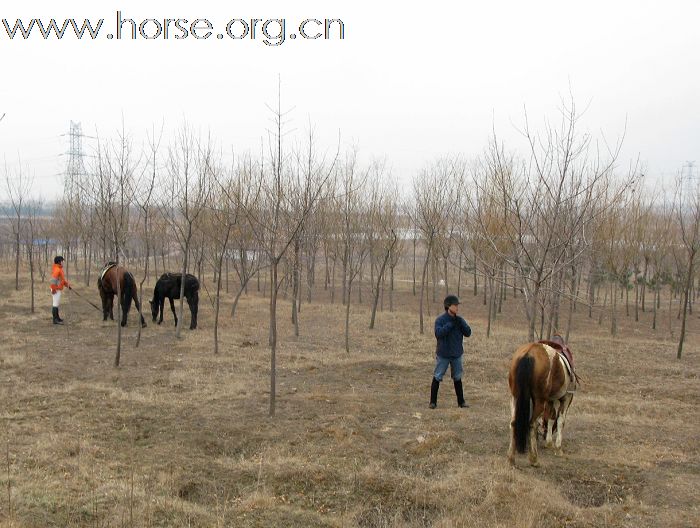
523, 377
129, 292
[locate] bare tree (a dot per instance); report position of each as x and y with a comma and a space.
486, 220
112, 191
143, 200
564, 172
33, 229
661, 233
235, 194
435, 194
190, 165
688, 216
385, 223
355, 226
242, 192
273, 225
18, 185
305, 186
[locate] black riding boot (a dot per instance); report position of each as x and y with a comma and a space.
460, 394
433, 393
56, 319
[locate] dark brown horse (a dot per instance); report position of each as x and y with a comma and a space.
538, 379
115, 280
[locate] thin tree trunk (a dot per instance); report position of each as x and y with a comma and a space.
178, 329
591, 292
216, 307
117, 357
490, 316
89, 265
220, 265
333, 283
381, 298
459, 274
17, 251
359, 288
391, 289
541, 320
295, 286
422, 286
613, 311
273, 334
380, 277
347, 318
688, 286
501, 289
670, 311
532, 312
31, 273
414, 266
145, 276
241, 289
447, 286
644, 284
605, 303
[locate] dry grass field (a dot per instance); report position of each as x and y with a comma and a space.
180, 437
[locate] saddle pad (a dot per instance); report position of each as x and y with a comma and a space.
106, 269
567, 365
554, 352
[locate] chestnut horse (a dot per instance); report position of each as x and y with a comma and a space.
538, 379
115, 280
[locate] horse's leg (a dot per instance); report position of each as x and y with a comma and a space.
105, 306
537, 410
125, 302
172, 307
161, 305
550, 422
511, 447
561, 419
193, 313
110, 306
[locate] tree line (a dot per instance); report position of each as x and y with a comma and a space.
556, 227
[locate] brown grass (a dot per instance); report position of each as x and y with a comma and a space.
179, 437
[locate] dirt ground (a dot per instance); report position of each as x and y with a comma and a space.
178, 436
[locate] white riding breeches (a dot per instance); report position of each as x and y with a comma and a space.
56, 299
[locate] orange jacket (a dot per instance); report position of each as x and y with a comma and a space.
58, 278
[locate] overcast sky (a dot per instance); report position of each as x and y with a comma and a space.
410, 81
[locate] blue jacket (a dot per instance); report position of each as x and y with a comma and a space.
449, 331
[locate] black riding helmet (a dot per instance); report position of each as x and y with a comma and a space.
58, 259
450, 300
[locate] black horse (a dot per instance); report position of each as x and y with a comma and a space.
169, 286
112, 280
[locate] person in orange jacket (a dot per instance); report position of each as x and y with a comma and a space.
57, 282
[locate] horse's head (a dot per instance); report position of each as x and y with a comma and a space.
154, 309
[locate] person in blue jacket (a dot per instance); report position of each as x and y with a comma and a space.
450, 329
